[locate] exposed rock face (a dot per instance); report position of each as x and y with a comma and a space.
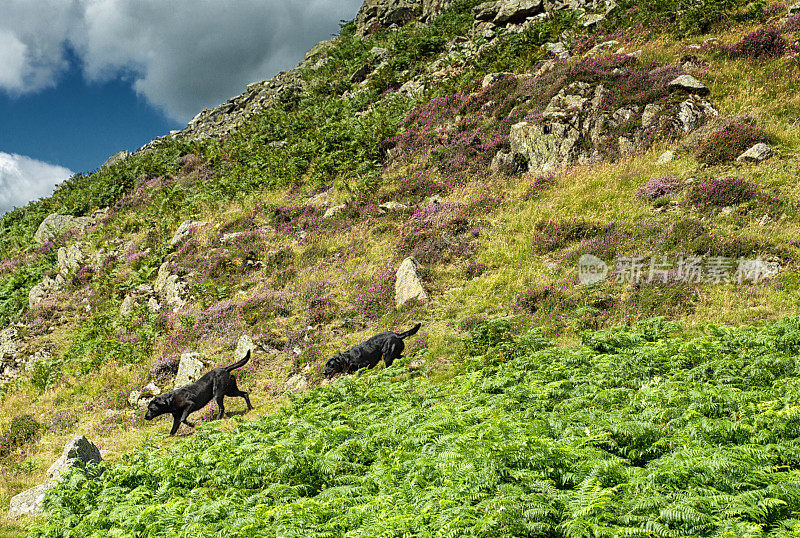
170, 288
184, 229
55, 224
756, 154
408, 284
72, 258
188, 369
574, 128
385, 13
79, 451
296, 383
11, 358
116, 158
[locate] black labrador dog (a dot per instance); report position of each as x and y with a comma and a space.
216, 384
367, 354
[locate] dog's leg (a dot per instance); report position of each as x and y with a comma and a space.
176, 421
233, 390
219, 399
185, 416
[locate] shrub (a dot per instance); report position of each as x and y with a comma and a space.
23, 430
729, 142
657, 187
166, 367
760, 44
792, 23
721, 192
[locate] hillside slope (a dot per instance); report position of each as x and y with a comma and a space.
497, 144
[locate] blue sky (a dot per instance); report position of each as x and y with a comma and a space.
83, 79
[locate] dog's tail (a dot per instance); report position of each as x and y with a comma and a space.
239, 364
411, 332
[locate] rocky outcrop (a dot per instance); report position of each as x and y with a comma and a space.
408, 284
375, 14
185, 229
576, 129
139, 399
189, 369
170, 288
55, 225
118, 157
78, 452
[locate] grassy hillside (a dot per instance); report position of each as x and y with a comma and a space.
690, 433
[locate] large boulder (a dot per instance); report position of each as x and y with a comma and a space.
756, 154
71, 258
189, 369
77, 452
408, 284
384, 13
244, 345
55, 225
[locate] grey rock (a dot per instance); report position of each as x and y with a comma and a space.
558, 49
153, 305
756, 154
666, 157
794, 8
492, 78
78, 451
170, 288
189, 369
602, 48
29, 502
320, 200
296, 383
72, 258
128, 305
55, 225
244, 345
392, 206
592, 19
688, 84
116, 158
47, 287
517, 10
184, 229
412, 88
334, 210
408, 284
485, 11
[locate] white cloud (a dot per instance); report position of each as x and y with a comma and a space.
23, 179
181, 55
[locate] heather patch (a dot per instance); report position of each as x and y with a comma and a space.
442, 232
761, 44
792, 24
375, 298
554, 234
727, 143
62, 421
261, 307
721, 192
538, 185
166, 368
657, 187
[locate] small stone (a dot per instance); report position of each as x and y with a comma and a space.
603, 47
244, 345
725, 211
756, 154
333, 211
666, 157
392, 206
296, 383
592, 20
763, 221
689, 84
492, 78
558, 49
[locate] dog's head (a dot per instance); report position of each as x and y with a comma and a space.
158, 406
334, 365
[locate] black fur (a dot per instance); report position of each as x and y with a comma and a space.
367, 354
216, 384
